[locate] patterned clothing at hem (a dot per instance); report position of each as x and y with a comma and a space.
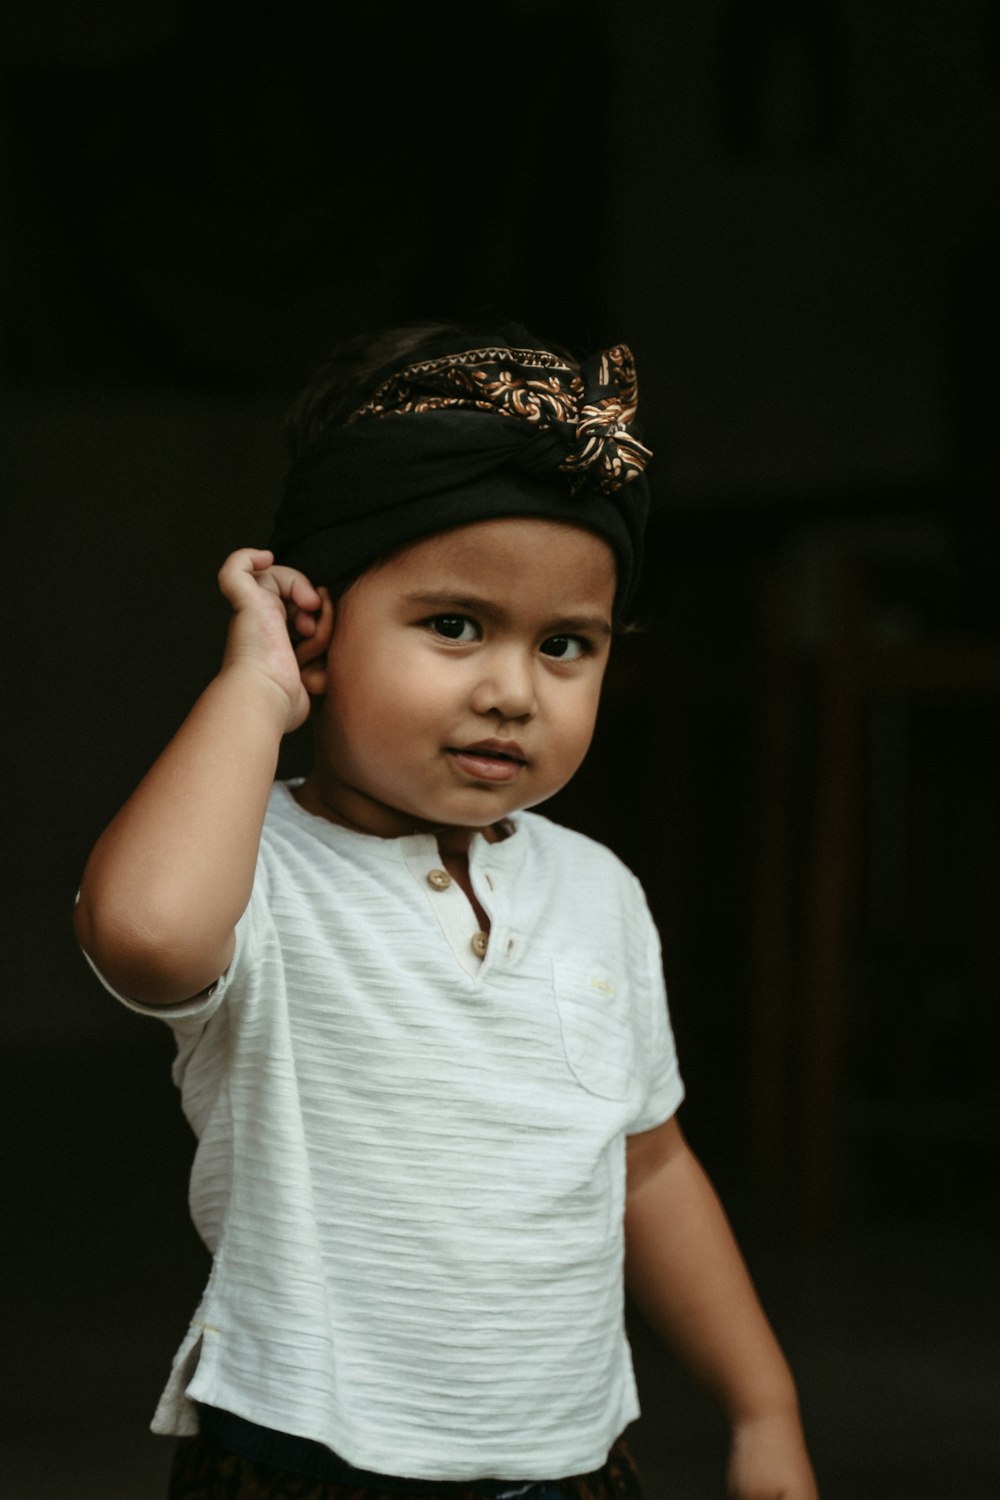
204, 1471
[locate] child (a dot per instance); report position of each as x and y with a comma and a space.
422, 1034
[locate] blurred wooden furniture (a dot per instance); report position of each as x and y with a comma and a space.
807, 879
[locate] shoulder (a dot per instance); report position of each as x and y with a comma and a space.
576, 855
544, 832
291, 833
298, 851
596, 908
283, 815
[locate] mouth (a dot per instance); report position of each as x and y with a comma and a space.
490, 760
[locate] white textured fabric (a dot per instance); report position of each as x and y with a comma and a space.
410, 1168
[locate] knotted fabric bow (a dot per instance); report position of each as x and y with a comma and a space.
472, 435
589, 408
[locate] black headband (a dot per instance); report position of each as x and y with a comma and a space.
470, 436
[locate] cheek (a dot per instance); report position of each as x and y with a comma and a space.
578, 721
369, 718
384, 700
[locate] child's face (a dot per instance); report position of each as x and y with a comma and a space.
463, 678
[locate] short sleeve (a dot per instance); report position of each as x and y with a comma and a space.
196, 1011
663, 1087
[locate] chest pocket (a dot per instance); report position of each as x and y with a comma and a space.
594, 1019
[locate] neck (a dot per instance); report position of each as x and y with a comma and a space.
380, 821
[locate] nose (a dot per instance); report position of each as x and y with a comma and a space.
506, 685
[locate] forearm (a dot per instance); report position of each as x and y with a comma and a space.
685, 1272
687, 1275
172, 873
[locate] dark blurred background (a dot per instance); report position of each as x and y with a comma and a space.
789, 209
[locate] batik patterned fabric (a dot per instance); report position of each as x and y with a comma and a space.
203, 1471
589, 407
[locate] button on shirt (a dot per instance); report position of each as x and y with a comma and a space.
410, 1168
449, 903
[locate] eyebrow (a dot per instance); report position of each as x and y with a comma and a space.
476, 605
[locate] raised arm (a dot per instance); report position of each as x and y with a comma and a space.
686, 1274
172, 873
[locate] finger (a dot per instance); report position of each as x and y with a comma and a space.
295, 587
304, 622
247, 560
301, 623
240, 571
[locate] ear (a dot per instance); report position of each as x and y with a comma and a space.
311, 652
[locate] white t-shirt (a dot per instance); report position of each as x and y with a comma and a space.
411, 1160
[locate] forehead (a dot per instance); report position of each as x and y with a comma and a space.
519, 553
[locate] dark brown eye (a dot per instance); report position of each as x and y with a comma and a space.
565, 647
455, 627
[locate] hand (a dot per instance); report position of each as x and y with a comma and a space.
768, 1460
280, 623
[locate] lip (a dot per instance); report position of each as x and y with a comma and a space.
509, 749
490, 760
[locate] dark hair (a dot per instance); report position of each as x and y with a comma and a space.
359, 365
